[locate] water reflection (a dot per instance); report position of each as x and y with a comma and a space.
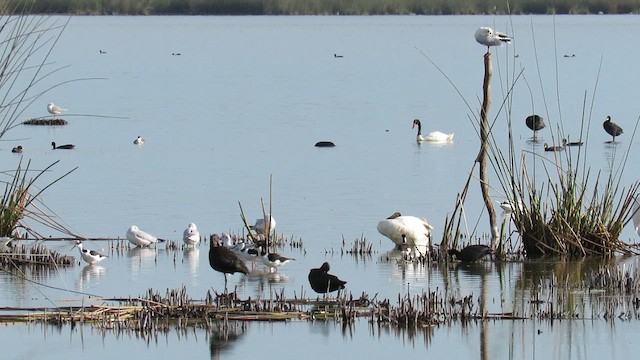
192, 258
89, 274
262, 280
223, 336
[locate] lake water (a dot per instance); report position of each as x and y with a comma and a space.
246, 100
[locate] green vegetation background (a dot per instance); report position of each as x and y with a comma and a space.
319, 7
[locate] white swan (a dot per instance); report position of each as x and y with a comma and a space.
191, 235
55, 109
435, 136
417, 231
141, 238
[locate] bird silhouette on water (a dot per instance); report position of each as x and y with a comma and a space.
224, 260
535, 123
322, 282
612, 128
471, 253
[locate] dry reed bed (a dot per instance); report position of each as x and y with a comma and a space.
604, 294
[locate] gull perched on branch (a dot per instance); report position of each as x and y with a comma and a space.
489, 37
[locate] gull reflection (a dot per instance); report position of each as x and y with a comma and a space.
192, 257
140, 256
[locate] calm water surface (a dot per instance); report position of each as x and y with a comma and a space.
246, 99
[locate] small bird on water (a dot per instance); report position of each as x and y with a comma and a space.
223, 260
322, 282
64, 147
471, 253
612, 129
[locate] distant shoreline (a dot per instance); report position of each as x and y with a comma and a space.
322, 7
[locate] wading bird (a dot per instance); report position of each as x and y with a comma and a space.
89, 256
223, 260
535, 123
612, 129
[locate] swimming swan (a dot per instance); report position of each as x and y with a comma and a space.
435, 136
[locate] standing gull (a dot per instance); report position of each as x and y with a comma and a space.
489, 37
141, 238
55, 109
191, 235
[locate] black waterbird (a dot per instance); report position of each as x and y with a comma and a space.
224, 260
67, 146
471, 253
612, 128
535, 123
323, 282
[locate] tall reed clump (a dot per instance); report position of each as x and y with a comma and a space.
25, 45
566, 213
559, 206
19, 202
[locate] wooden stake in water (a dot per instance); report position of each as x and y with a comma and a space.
484, 143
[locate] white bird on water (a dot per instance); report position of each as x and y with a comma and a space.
89, 256
141, 238
406, 230
489, 37
55, 109
191, 235
139, 140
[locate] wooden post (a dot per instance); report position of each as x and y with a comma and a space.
484, 143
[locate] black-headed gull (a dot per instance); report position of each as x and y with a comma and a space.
489, 37
55, 109
191, 235
141, 238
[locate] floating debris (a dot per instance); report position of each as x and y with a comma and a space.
38, 121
